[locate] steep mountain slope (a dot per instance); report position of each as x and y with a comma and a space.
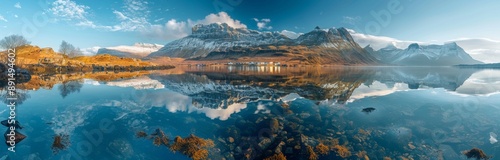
216, 37
424, 55
386, 54
219, 41
138, 50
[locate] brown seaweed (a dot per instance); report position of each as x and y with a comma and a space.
141, 134
476, 153
279, 156
368, 110
192, 146
61, 142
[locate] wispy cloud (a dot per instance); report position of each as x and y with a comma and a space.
174, 29
18, 5
68, 10
3, 19
91, 50
377, 42
120, 15
351, 20
134, 17
483, 49
159, 19
221, 17
263, 23
171, 30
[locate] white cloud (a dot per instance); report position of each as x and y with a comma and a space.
68, 9
3, 19
475, 43
351, 20
221, 17
175, 29
290, 34
171, 30
135, 5
91, 50
377, 42
159, 19
134, 18
263, 23
86, 23
482, 49
120, 15
18, 5
15, 15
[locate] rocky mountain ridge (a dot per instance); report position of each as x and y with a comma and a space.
320, 46
423, 55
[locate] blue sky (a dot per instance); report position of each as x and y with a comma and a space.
123, 22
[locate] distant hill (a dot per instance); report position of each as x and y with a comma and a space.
34, 58
489, 65
138, 50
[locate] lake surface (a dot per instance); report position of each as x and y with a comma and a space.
254, 112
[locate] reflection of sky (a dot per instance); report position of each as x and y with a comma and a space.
377, 89
484, 82
398, 108
138, 83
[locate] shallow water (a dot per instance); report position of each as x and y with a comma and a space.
419, 112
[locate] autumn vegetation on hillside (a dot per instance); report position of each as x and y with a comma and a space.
68, 59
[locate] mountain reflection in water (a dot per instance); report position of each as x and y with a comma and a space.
256, 112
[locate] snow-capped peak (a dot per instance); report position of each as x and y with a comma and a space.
413, 46
138, 50
440, 55
147, 45
390, 46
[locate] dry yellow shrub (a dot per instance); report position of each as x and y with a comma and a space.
322, 149
279, 156
342, 151
192, 146
312, 154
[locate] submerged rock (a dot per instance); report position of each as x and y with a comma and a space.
368, 110
192, 146
14, 123
141, 134
61, 142
476, 153
18, 137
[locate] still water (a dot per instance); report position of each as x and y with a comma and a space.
256, 112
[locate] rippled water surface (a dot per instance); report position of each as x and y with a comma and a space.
256, 112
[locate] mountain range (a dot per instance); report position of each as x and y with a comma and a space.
423, 55
219, 41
